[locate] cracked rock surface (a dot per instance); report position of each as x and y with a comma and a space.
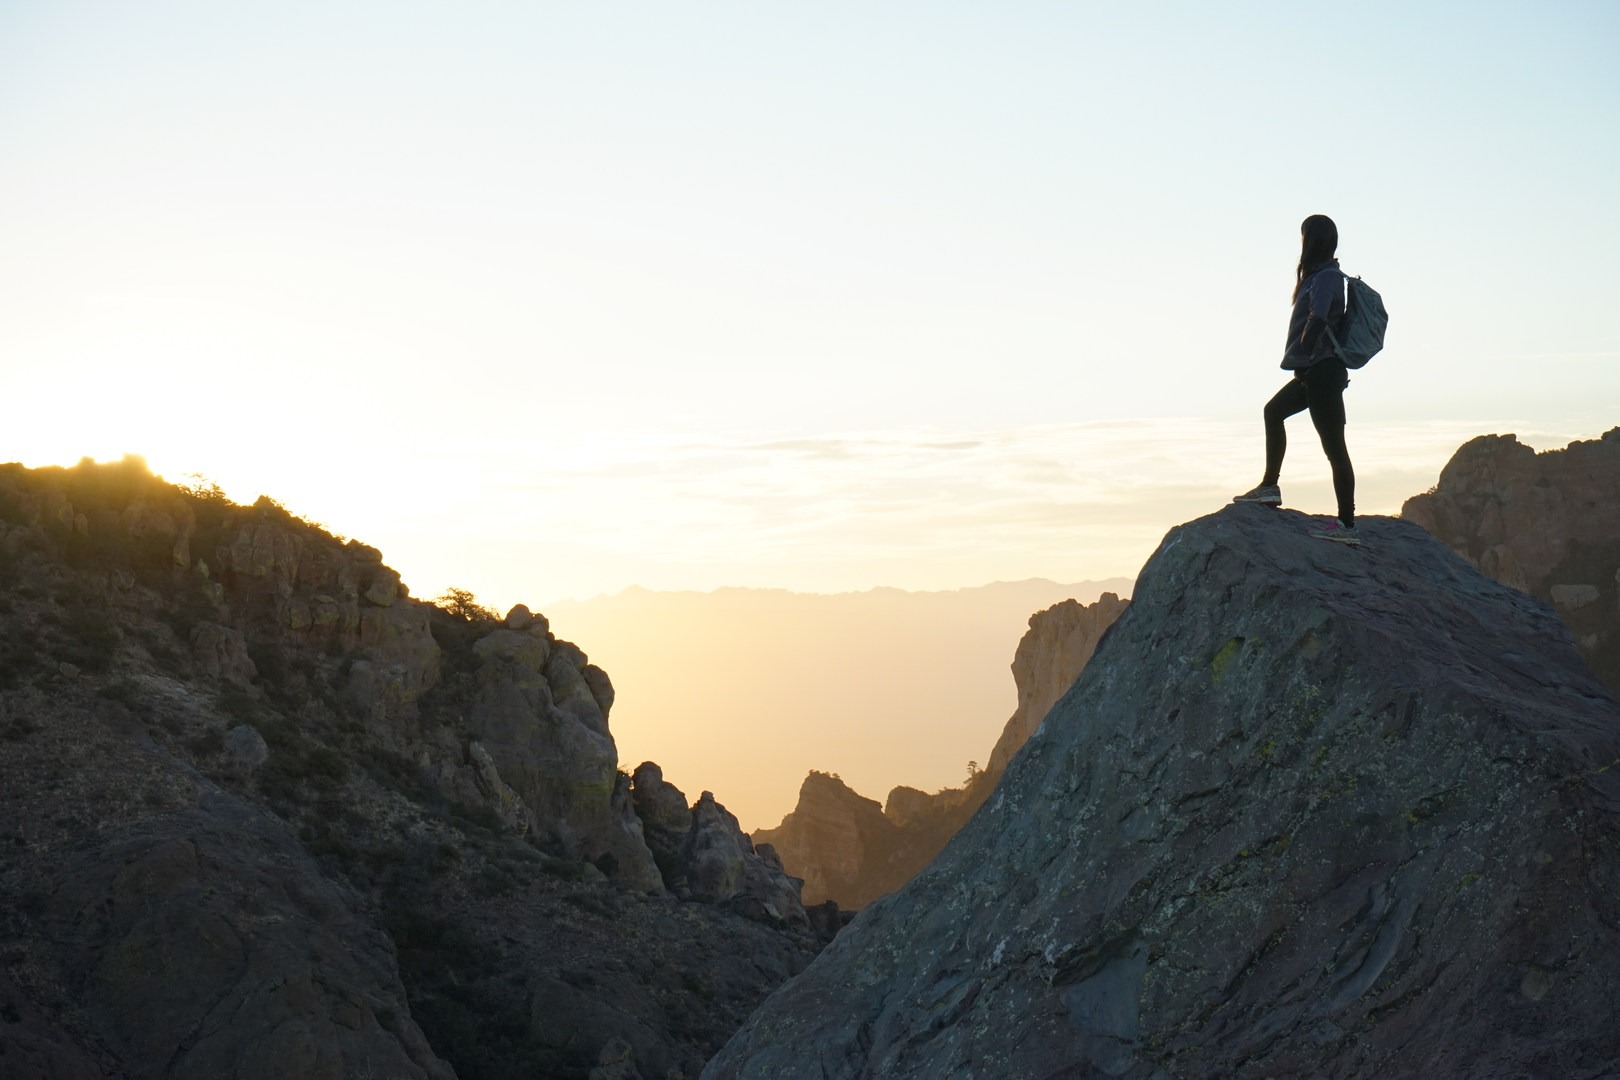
1309, 811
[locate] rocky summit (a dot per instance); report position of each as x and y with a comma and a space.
1310, 811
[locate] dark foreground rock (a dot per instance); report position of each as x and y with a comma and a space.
264, 815
1310, 811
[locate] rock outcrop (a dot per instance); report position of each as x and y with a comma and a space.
1309, 811
840, 843
1050, 657
850, 850
542, 732
703, 854
1547, 523
266, 815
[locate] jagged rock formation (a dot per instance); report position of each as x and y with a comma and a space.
1309, 811
703, 854
850, 850
1050, 657
840, 842
1547, 523
264, 814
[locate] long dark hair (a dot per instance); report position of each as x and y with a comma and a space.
1318, 240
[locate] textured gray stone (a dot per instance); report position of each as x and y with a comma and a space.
222, 652
562, 763
1310, 811
246, 747
283, 976
524, 650
659, 803
714, 852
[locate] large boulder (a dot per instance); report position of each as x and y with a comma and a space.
665, 820
559, 758
1309, 811
221, 652
715, 852
283, 977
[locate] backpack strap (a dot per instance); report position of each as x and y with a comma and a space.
1338, 349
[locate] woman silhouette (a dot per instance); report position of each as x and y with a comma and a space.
1319, 378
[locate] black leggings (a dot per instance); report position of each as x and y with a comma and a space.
1319, 388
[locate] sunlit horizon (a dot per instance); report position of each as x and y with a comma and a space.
672, 709
546, 301
1074, 502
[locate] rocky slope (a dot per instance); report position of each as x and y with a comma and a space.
1546, 523
1309, 811
850, 850
264, 814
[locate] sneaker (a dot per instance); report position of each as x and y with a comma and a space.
1266, 494
1338, 532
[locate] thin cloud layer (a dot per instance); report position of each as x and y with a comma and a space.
927, 510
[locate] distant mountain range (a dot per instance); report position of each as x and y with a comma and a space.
746, 690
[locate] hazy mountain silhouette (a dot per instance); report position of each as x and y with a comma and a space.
850, 850
747, 690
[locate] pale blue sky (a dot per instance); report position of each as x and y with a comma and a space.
427, 272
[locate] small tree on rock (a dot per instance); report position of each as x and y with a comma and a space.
465, 606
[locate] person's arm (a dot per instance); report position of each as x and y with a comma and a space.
1324, 292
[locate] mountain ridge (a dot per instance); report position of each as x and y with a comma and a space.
263, 814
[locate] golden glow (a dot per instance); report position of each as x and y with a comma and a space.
549, 300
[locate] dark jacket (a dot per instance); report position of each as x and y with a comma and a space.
1320, 303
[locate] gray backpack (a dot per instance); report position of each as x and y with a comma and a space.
1361, 329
